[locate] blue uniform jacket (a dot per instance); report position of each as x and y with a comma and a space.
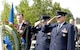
62, 39
42, 41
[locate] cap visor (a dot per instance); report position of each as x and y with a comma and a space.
58, 16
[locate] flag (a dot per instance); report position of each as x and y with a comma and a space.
8, 42
11, 15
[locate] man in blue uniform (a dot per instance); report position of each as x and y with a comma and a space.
62, 34
42, 38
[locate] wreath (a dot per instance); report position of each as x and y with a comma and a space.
14, 37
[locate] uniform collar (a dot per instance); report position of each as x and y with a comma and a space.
62, 24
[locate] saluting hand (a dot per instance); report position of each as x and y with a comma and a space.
50, 21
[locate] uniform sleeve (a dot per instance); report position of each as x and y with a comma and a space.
48, 28
71, 44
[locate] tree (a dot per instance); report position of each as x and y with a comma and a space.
56, 7
69, 14
24, 8
5, 12
33, 13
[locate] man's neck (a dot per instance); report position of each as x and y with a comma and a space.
20, 23
62, 23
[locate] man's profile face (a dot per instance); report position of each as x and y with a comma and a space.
19, 18
61, 19
71, 21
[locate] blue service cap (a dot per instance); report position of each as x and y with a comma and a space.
45, 17
59, 14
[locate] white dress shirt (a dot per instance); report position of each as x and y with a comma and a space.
20, 25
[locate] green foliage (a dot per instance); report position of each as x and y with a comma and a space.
26, 10
69, 14
40, 7
11, 37
33, 13
5, 12
6, 32
18, 36
56, 7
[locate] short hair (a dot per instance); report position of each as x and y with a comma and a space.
71, 19
20, 14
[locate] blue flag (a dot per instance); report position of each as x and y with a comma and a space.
11, 15
8, 42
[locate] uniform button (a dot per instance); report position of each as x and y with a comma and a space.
37, 44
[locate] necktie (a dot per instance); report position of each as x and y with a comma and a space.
18, 27
58, 28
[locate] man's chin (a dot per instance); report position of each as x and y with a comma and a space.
58, 21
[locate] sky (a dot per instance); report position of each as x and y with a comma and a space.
72, 5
